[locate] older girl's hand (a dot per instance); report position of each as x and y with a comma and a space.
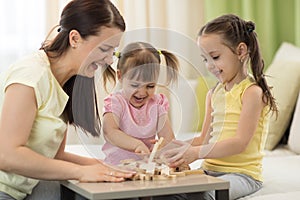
178, 152
103, 172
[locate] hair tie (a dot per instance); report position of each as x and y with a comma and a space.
159, 52
117, 54
60, 28
250, 27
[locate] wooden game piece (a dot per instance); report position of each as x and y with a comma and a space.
195, 171
154, 150
148, 167
148, 177
178, 174
160, 177
151, 171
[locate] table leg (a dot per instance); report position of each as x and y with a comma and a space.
67, 194
222, 194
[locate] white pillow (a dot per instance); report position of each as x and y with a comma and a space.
287, 52
284, 77
294, 138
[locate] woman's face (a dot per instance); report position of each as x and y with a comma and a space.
97, 51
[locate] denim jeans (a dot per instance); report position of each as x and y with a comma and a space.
49, 190
240, 185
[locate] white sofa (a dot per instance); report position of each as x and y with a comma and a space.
281, 162
281, 165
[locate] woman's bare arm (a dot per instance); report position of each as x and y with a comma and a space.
17, 117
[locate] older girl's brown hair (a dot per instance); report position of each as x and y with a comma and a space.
233, 31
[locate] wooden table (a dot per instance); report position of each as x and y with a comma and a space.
130, 189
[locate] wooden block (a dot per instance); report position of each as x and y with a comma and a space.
160, 177
196, 171
177, 173
149, 167
155, 148
148, 177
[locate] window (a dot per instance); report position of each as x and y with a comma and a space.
22, 29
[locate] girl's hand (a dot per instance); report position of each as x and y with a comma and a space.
152, 142
177, 153
103, 172
141, 148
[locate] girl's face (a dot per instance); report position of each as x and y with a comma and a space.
97, 51
137, 92
220, 60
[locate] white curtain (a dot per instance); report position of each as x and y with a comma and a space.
22, 29
168, 24
24, 26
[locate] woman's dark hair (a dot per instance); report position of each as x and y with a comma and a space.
233, 31
87, 17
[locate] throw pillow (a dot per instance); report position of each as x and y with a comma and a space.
205, 83
294, 137
284, 77
288, 52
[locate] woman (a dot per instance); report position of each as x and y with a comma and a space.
55, 86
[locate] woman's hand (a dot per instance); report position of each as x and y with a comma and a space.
177, 153
103, 172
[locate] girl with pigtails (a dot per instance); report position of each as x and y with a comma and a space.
235, 127
135, 114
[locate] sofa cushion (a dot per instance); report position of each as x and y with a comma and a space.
183, 103
187, 102
288, 52
280, 176
205, 83
284, 76
294, 137
285, 80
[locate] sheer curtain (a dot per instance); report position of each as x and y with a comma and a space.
276, 21
167, 24
25, 24
22, 29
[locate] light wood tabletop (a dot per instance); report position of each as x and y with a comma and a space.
141, 188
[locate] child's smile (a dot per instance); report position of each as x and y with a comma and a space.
137, 92
138, 102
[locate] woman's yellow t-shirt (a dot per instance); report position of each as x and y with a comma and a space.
227, 107
48, 129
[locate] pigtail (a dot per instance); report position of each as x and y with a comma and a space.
257, 67
172, 66
109, 74
235, 30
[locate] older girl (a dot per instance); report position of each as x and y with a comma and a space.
237, 108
